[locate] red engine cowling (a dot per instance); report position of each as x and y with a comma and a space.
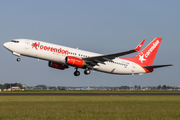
57, 65
70, 60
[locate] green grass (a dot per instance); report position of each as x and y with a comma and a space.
90, 107
91, 91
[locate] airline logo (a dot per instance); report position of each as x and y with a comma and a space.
141, 57
152, 48
48, 48
35, 45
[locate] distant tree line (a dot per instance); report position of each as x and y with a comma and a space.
164, 87
44, 87
124, 87
7, 85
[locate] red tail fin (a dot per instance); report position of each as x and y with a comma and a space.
146, 56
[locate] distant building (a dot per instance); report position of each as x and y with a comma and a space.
15, 88
24, 85
10, 85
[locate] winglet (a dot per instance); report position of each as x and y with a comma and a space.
138, 48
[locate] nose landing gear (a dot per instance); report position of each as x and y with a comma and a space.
17, 54
18, 59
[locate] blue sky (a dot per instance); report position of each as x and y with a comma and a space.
101, 26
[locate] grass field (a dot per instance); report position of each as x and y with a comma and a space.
92, 91
90, 107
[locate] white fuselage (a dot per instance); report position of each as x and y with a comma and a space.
57, 53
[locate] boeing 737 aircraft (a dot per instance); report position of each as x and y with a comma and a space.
61, 57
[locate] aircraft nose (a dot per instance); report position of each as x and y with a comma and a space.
6, 45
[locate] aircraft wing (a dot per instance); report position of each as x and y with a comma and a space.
92, 61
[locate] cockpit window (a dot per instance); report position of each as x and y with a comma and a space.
15, 41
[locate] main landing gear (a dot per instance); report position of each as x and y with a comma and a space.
86, 72
76, 73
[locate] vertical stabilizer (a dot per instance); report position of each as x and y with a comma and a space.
148, 54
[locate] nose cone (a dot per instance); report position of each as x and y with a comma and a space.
6, 45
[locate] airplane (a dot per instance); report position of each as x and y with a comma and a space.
61, 57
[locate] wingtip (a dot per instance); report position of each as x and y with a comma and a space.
138, 48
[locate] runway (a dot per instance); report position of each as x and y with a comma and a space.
89, 94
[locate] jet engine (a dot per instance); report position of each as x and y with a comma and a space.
57, 65
74, 61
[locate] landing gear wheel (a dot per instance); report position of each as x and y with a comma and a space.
76, 73
87, 72
18, 59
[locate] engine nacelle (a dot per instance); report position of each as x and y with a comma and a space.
70, 60
57, 65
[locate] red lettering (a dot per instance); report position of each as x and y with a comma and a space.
55, 49
62, 52
67, 52
45, 47
36, 45
41, 47
59, 50
51, 49
48, 48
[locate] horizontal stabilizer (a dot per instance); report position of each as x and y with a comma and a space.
157, 66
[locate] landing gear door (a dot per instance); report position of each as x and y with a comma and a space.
27, 44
